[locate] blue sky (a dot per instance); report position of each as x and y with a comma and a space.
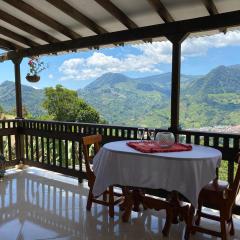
74, 70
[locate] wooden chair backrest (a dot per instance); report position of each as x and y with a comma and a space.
94, 140
236, 183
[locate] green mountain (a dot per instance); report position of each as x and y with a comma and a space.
213, 99
32, 98
132, 101
220, 80
209, 100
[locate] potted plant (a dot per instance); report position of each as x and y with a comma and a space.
35, 67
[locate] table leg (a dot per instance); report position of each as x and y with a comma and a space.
138, 198
128, 203
175, 203
178, 212
189, 221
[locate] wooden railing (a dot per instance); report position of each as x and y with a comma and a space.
57, 146
8, 141
228, 144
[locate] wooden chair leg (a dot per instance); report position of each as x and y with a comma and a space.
105, 197
168, 223
199, 211
223, 223
89, 201
232, 231
125, 192
111, 202
128, 203
189, 222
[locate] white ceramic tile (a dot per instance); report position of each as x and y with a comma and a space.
37, 204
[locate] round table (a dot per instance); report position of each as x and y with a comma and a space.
186, 172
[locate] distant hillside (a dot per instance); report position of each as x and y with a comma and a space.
132, 101
209, 100
32, 98
220, 80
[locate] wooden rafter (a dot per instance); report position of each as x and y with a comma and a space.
120, 15
26, 27
211, 7
5, 44
223, 20
34, 13
161, 10
117, 13
17, 37
212, 10
77, 15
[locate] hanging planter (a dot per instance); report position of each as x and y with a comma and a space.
35, 67
33, 78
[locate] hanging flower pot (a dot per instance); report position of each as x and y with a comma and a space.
35, 67
33, 78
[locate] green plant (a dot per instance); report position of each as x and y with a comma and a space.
35, 66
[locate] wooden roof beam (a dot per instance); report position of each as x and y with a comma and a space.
17, 37
78, 16
119, 14
161, 10
211, 7
34, 13
212, 10
228, 19
7, 45
26, 27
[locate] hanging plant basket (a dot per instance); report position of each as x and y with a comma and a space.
33, 78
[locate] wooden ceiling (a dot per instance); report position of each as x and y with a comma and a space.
30, 27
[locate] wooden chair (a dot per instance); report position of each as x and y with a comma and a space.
219, 195
108, 195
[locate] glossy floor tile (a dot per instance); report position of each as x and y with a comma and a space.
37, 204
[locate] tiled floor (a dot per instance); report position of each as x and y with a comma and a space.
37, 204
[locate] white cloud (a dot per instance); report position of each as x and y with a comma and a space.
147, 60
199, 45
50, 76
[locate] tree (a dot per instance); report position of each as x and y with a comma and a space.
1, 112
65, 105
25, 112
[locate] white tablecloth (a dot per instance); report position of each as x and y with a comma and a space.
187, 172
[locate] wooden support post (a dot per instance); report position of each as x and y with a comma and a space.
18, 137
176, 73
17, 61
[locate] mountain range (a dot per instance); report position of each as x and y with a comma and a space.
207, 100
32, 98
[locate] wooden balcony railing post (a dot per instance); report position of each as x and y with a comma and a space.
19, 139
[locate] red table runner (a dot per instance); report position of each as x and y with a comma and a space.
154, 147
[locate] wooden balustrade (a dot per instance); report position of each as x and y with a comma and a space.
8, 134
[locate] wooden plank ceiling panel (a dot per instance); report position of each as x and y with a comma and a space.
77, 15
45, 19
57, 21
